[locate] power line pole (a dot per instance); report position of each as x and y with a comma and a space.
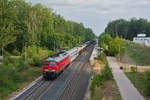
116, 29
25, 51
119, 53
136, 71
54, 46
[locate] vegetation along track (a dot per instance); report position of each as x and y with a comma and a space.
72, 73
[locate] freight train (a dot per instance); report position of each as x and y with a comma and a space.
55, 64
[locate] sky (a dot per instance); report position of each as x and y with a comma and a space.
96, 14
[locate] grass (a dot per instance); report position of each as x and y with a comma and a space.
143, 53
141, 86
103, 84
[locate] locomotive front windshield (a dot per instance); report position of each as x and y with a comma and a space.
53, 64
46, 63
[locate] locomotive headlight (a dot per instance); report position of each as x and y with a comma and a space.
46, 70
53, 70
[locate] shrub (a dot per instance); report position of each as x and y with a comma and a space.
106, 73
133, 68
16, 52
102, 57
21, 65
7, 60
98, 80
37, 60
8, 75
11, 59
34, 58
11, 77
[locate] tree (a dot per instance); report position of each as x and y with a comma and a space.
111, 45
115, 45
128, 29
7, 23
22, 22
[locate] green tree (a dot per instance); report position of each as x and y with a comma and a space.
128, 29
111, 45
22, 22
7, 23
115, 45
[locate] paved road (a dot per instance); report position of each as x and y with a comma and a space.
126, 88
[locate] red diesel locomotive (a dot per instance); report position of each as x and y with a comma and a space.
55, 64
58, 62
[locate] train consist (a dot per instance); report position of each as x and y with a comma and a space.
55, 64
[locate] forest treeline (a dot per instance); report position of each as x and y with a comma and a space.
23, 23
128, 28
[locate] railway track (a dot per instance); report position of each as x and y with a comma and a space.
75, 81
35, 94
41, 88
52, 90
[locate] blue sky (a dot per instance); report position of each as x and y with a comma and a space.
97, 13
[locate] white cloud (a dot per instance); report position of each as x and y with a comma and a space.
97, 13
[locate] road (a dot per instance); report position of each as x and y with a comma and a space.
70, 85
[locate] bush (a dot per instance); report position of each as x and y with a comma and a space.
34, 58
21, 65
98, 80
11, 59
133, 68
147, 89
106, 73
16, 52
7, 60
37, 61
17, 63
102, 57
11, 76
8, 75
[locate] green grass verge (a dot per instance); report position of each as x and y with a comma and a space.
103, 85
143, 53
14, 81
142, 82
16, 71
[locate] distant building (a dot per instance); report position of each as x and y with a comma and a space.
142, 39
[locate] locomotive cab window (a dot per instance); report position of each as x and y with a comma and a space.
46, 63
53, 64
